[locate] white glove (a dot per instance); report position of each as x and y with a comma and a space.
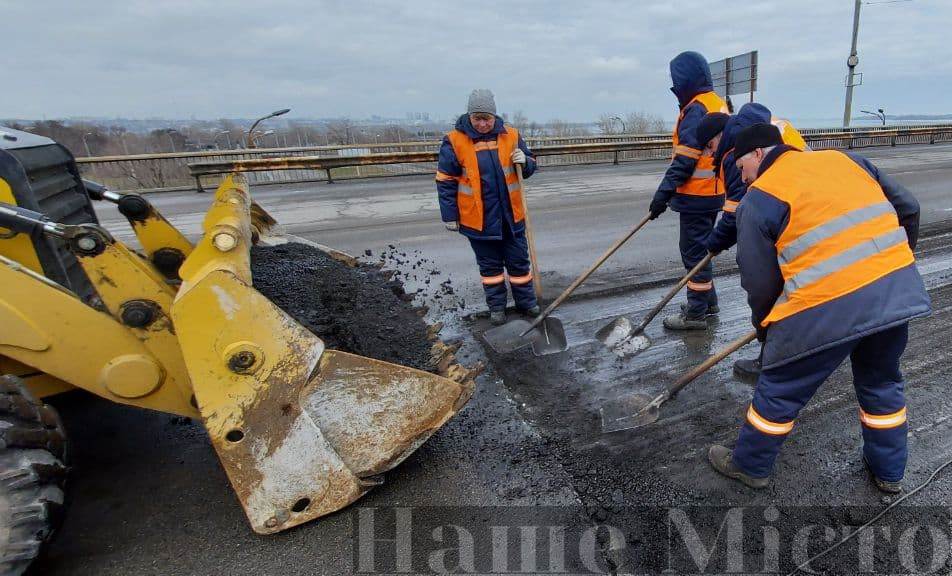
452, 226
518, 156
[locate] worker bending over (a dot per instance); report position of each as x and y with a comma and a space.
480, 196
689, 186
824, 246
717, 132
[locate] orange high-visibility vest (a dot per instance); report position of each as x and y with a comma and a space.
469, 195
701, 182
791, 137
842, 233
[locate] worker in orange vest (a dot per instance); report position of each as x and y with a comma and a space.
480, 197
689, 186
717, 133
824, 246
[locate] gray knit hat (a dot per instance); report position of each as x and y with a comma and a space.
481, 100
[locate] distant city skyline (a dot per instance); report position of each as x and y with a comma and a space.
574, 61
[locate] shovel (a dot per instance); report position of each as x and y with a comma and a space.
551, 337
530, 236
623, 339
636, 410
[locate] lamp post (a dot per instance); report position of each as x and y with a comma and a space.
251, 141
169, 134
624, 128
227, 135
86, 144
851, 64
259, 135
878, 114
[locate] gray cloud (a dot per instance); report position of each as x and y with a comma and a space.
571, 60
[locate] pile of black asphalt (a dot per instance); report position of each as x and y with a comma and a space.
357, 309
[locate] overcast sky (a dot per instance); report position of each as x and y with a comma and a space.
568, 60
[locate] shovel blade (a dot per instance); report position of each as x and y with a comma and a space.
508, 337
616, 330
621, 338
546, 338
627, 412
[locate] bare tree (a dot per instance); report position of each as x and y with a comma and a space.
641, 122
606, 123
341, 131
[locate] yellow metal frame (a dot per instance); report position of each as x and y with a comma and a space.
155, 233
17, 247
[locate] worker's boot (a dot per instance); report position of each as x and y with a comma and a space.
712, 310
720, 459
684, 322
883, 485
748, 369
534, 311
497, 317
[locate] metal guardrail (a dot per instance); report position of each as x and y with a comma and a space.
185, 170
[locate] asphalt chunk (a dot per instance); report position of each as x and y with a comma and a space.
359, 309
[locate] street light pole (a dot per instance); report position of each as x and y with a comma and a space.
171, 142
879, 114
250, 139
86, 144
624, 128
851, 63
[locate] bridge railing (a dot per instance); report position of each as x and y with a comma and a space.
191, 170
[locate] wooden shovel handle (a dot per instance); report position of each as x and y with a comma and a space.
536, 275
591, 270
671, 294
710, 362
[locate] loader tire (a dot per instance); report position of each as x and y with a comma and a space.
32, 475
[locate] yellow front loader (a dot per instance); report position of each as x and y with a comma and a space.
178, 327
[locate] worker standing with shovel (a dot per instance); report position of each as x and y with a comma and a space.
717, 132
824, 248
690, 188
480, 193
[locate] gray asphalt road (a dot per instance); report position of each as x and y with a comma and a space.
150, 498
577, 213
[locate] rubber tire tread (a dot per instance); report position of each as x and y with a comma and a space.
33, 454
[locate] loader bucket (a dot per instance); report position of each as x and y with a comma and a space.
301, 431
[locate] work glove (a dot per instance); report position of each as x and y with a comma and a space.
711, 245
518, 156
657, 208
452, 226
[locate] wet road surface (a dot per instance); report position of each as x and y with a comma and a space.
149, 497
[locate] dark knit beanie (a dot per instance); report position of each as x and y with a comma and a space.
710, 126
756, 136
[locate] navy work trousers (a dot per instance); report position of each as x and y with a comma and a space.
781, 392
509, 255
695, 229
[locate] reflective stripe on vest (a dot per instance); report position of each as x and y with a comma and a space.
469, 198
842, 233
702, 182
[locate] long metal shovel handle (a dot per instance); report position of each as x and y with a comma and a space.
591, 269
672, 293
710, 362
530, 236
